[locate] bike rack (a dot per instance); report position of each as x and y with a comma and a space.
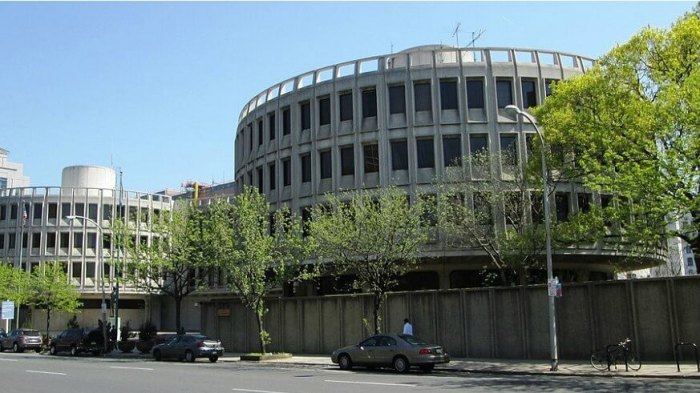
678, 360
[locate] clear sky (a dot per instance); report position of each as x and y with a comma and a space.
155, 89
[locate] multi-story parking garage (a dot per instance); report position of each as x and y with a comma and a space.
34, 228
402, 119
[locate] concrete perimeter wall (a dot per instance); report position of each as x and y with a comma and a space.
480, 323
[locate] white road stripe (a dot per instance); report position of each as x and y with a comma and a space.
255, 391
44, 372
405, 385
8, 360
132, 368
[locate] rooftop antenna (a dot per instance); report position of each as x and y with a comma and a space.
456, 33
475, 36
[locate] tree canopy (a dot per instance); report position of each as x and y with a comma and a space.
50, 289
632, 124
374, 234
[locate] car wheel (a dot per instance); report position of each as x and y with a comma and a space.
427, 368
1, 347
345, 362
74, 351
157, 356
37, 350
16, 348
52, 350
401, 364
213, 358
189, 356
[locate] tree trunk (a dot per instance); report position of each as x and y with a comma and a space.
261, 331
378, 301
178, 308
48, 319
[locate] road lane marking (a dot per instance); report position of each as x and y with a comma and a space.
132, 368
255, 391
8, 360
44, 372
404, 385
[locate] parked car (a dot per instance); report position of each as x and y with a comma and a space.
21, 339
188, 347
399, 351
77, 341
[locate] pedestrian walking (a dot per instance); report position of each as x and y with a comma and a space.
407, 327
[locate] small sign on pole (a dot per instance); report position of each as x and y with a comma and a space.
554, 287
8, 309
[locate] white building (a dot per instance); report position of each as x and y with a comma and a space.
11, 173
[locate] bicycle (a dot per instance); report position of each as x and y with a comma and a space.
603, 359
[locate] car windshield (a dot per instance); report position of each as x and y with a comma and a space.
413, 340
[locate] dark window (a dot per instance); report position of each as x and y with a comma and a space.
529, 87
107, 212
425, 153
324, 111
13, 212
509, 149
448, 94
260, 131
451, 150
37, 211
36, 240
259, 172
272, 178
548, 86
478, 144
2, 241
250, 137
11, 240
92, 211
326, 164
504, 92
64, 239
346, 106
475, 93
369, 103
305, 109
271, 123
397, 99
371, 158
286, 121
347, 160
77, 240
399, 154
3, 212
65, 210
421, 95
305, 218
25, 239
584, 202
80, 209
51, 240
92, 240
53, 210
306, 168
286, 172
562, 202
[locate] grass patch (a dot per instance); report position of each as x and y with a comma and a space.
260, 357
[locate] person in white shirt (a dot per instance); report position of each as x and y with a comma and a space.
407, 327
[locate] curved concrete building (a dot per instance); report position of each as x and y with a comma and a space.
34, 228
402, 119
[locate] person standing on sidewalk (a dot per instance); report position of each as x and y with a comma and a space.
407, 327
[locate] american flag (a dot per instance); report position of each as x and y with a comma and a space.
25, 216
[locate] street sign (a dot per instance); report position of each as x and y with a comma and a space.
554, 287
8, 310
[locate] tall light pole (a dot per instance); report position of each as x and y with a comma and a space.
515, 111
102, 276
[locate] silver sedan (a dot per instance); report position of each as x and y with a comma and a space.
399, 351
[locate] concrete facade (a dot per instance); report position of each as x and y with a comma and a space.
11, 173
508, 323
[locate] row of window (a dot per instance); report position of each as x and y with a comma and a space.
425, 158
61, 239
397, 103
35, 211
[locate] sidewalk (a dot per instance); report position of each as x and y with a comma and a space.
495, 366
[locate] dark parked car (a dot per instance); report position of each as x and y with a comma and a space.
399, 351
77, 341
21, 339
188, 347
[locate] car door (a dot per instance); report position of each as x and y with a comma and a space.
363, 354
172, 348
384, 351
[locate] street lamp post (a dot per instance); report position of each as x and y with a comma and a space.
102, 276
515, 111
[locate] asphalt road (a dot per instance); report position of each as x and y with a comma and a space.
29, 373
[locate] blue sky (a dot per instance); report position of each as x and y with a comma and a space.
155, 89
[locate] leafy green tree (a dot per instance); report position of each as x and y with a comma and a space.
15, 284
258, 252
631, 125
51, 290
374, 234
168, 264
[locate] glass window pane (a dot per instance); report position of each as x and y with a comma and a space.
475, 93
397, 99
399, 155
421, 95
448, 94
504, 92
425, 153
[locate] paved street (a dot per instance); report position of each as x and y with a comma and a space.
31, 372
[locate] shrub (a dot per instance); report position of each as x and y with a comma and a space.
147, 331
